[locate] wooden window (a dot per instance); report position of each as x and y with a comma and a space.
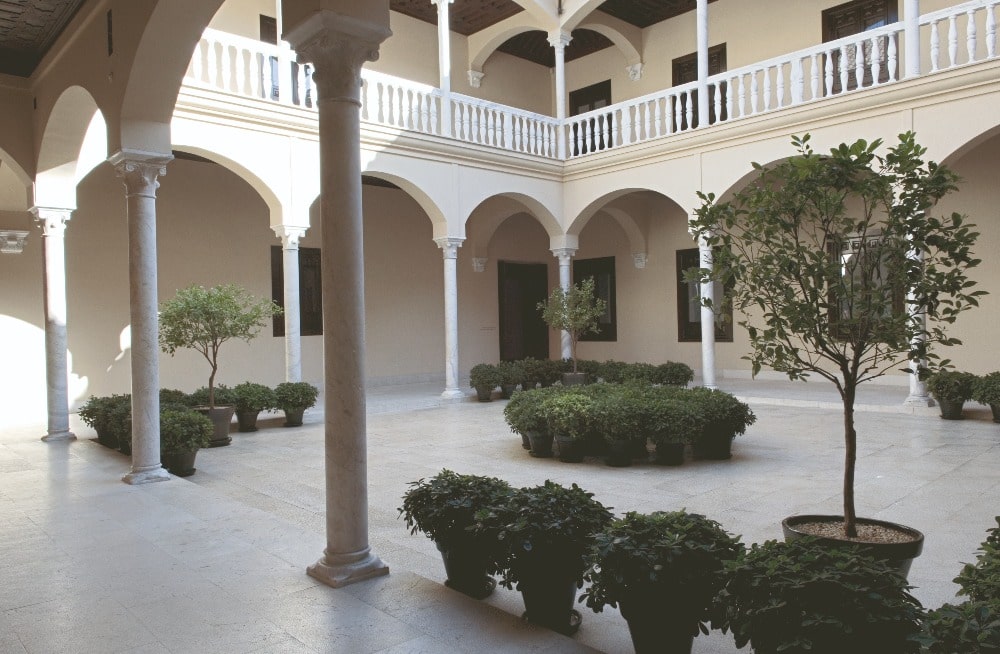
689, 303
854, 18
685, 69
589, 98
603, 272
867, 283
310, 291
269, 29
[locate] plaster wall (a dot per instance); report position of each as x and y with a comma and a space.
242, 17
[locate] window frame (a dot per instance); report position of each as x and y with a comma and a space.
310, 291
602, 269
688, 330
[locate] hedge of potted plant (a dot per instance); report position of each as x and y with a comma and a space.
525, 417
570, 418
619, 419
952, 389
183, 432
986, 390
250, 399
484, 377
723, 418
966, 628
511, 374
674, 424
444, 508
980, 581
97, 413
545, 533
799, 596
663, 570
294, 398
673, 373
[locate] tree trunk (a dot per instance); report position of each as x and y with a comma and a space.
850, 457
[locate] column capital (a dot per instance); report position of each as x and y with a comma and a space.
289, 235
12, 241
52, 220
479, 264
442, 5
140, 170
338, 46
449, 246
564, 253
559, 39
476, 78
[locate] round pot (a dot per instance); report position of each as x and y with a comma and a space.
951, 409
656, 625
574, 378
179, 463
525, 443
222, 418
247, 420
995, 408
638, 448
571, 450
107, 437
465, 565
541, 444
715, 446
124, 443
549, 592
619, 454
669, 454
484, 394
898, 555
506, 390
293, 416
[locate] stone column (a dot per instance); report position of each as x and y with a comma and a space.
290, 236
565, 256
444, 63
53, 224
918, 389
449, 249
338, 45
139, 171
701, 15
707, 321
911, 33
559, 40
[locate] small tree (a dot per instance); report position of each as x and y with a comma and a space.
204, 318
576, 311
839, 269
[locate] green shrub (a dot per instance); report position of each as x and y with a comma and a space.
95, 412
674, 420
951, 385
980, 582
223, 396
484, 375
673, 373
986, 389
183, 430
569, 414
250, 396
443, 507
295, 395
174, 396
511, 373
722, 413
524, 413
968, 628
612, 372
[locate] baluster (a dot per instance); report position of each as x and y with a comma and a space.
780, 77
226, 66
481, 124
971, 35
614, 119
578, 137
268, 73
383, 116
754, 94
717, 88
646, 118
828, 72
300, 84
390, 105
532, 137
743, 95
991, 31
212, 60
432, 103
953, 40
798, 81
843, 68
678, 112
601, 136
626, 128
406, 109
419, 112
893, 56
240, 77
875, 65
256, 75
729, 99
508, 131
767, 88
935, 46
197, 62
859, 63
814, 76
690, 109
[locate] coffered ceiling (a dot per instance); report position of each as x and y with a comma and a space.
28, 28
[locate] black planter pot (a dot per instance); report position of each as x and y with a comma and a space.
179, 463
549, 592
293, 416
571, 450
222, 418
669, 454
995, 408
124, 442
898, 555
951, 409
247, 420
619, 454
575, 378
541, 444
484, 394
506, 390
525, 442
715, 446
107, 438
466, 568
638, 449
657, 626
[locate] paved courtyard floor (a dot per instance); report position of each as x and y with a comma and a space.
216, 562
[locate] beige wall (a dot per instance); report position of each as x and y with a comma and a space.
242, 17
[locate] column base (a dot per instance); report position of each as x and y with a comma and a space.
919, 400
344, 569
453, 394
146, 476
55, 436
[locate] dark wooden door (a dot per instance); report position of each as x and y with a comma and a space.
684, 70
523, 333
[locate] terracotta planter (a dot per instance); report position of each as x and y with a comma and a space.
180, 464
247, 420
898, 555
222, 418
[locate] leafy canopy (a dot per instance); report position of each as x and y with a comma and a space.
575, 311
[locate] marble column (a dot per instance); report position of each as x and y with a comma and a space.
53, 224
701, 16
290, 237
338, 45
444, 63
449, 249
559, 40
140, 171
911, 34
707, 320
918, 396
565, 256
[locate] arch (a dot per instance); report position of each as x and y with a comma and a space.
430, 207
270, 197
970, 145
494, 210
15, 184
601, 204
633, 232
575, 11
478, 56
74, 141
628, 49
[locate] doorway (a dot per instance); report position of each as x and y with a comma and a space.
523, 333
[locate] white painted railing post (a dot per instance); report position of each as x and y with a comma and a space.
285, 58
444, 63
911, 32
701, 12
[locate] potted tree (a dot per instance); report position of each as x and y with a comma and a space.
986, 390
484, 377
799, 596
840, 270
183, 432
203, 319
952, 389
294, 398
443, 508
662, 570
545, 534
575, 311
250, 399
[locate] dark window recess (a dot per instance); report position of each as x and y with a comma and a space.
603, 272
589, 98
685, 69
865, 280
854, 18
310, 291
269, 29
523, 333
689, 303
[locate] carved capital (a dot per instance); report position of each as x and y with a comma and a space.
442, 4
559, 40
12, 241
634, 71
476, 78
52, 220
140, 171
479, 264
639, 259
449, 246
289, 235
564, 254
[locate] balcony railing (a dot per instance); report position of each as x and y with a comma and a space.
956, 36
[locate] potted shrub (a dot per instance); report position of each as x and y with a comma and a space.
674, 424
203, 319
952, 389
817, 255
174, 396
119, 423
570, 416
966, 628
250, 399
484, 377
183, 432
618, 418
800, 596
511, 374
443, 508
723, 417
673, 373
545, 533
532, 369
96, 413
294, 398
525, 416
575, 311
662, 570
981, 581
986, 390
